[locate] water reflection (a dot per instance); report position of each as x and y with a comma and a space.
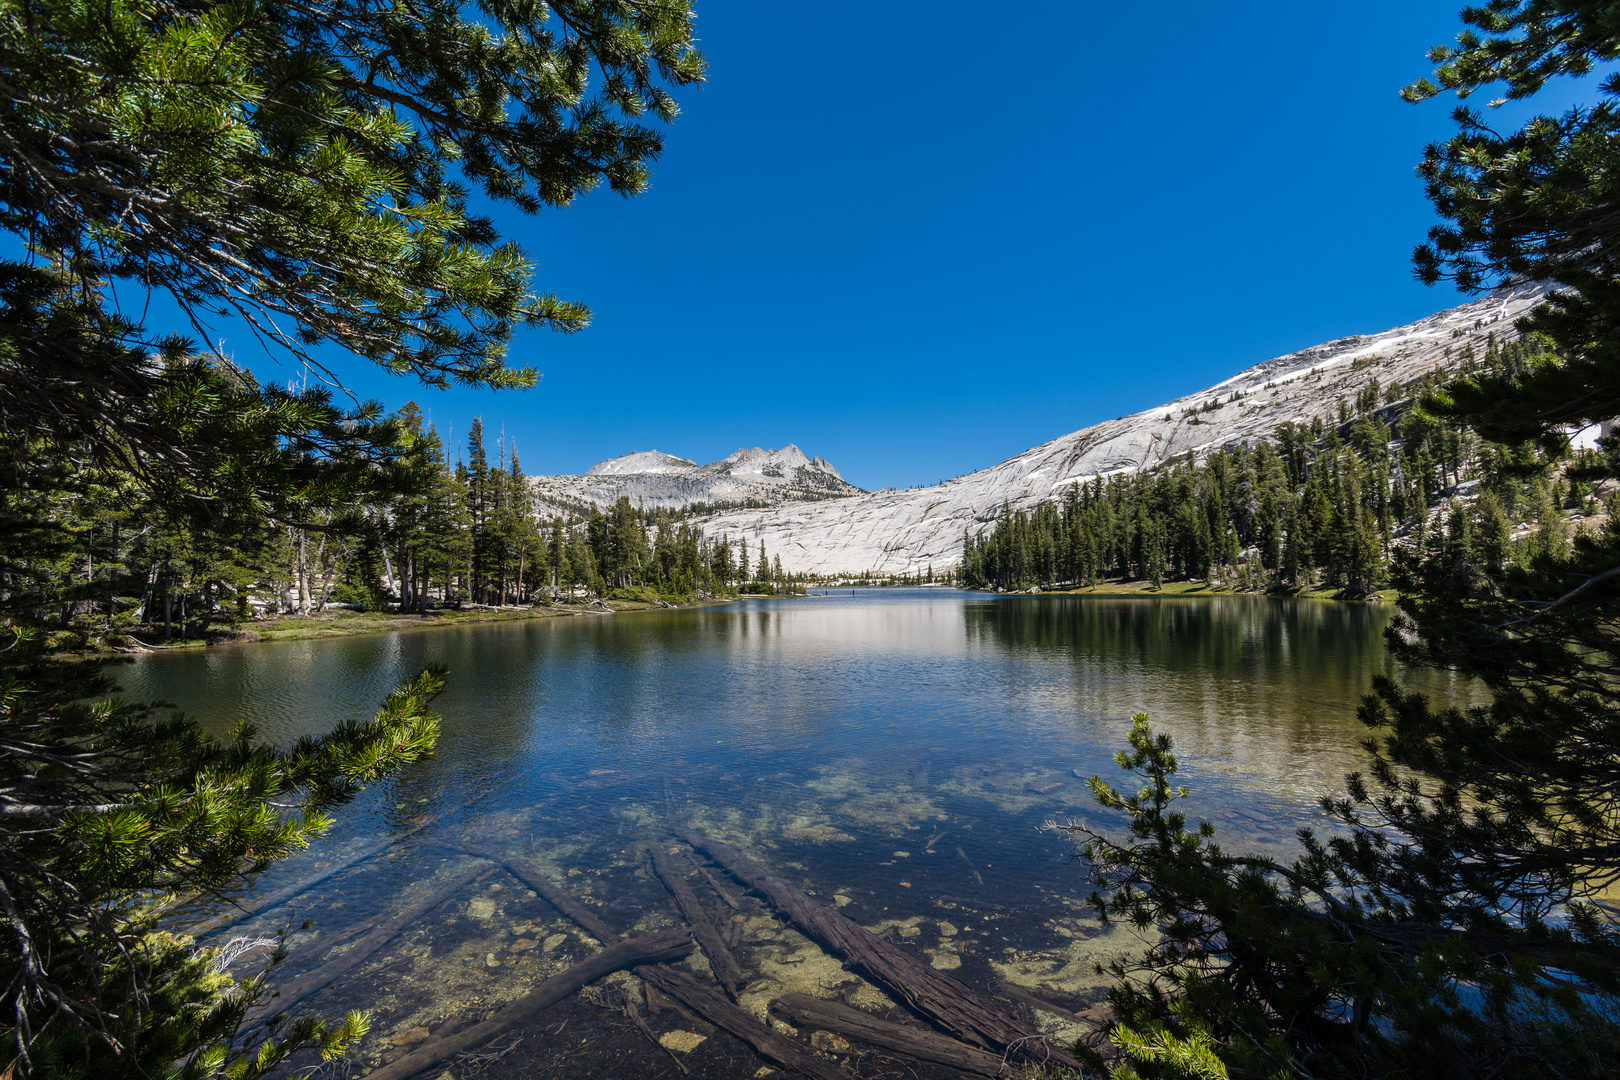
894, 748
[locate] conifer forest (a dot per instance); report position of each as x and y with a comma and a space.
1361, 673
1316, 506
439, 535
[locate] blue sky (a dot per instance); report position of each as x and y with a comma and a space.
916, 239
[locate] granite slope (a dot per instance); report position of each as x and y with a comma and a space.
654, 479
905, 532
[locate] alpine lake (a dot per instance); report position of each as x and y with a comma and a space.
888, 751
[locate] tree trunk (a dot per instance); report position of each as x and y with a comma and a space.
242, 912
296, 990
912, 1041
720, 958
146, 597
951, 1004
324, 571
301, 574
707, 1003
388, 569
656, 948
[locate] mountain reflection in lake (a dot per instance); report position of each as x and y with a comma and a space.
889, 752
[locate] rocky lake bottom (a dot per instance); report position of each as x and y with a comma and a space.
890, 754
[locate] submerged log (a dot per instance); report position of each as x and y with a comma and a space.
952, 1005
381, 933
1029, 997
228, 919
634, 1014
720, 891
656, 948
976, 876
706, 1003
720, 958
713, 1007
921, 1043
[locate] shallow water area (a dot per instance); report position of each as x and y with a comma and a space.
889, 751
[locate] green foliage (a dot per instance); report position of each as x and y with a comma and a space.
1254, 517
307, 170
1324, 967
305, 167
108, 809
1536, 204
1447, 926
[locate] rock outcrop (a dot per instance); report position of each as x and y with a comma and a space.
748, 477
904, 532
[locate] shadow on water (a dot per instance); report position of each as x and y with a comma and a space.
890, 752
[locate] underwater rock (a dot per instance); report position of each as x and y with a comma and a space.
947, 930
522, 945
410, 1037
1044, 789
946, 961
683, 1041
552, 942
481, 907
756, 999
832, 1044
868, 997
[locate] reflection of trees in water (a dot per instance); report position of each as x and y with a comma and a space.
1266, 683
1232, 636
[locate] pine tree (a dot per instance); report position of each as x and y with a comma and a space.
305, 170
1445, 927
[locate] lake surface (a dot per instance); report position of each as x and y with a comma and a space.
891, 751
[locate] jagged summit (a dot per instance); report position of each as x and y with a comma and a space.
747, 477
905, 531
641, 462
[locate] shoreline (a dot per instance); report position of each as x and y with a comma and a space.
1199, 589
346, 623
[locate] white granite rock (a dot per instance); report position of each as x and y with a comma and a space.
657, 479
906, 532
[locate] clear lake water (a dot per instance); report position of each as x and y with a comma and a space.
890, 751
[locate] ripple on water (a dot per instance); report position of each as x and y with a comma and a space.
890, 755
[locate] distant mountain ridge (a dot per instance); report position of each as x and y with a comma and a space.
656, 479
904, 532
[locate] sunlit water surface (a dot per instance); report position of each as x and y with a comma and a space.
888, 750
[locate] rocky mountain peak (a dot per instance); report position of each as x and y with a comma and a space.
640, 462
904, 531
764, 462
753, 476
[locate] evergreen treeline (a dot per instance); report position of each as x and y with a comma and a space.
305, 173
107, 556
471, 533
1316, 506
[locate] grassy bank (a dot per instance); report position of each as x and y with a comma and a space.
334, 623
1202, 588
